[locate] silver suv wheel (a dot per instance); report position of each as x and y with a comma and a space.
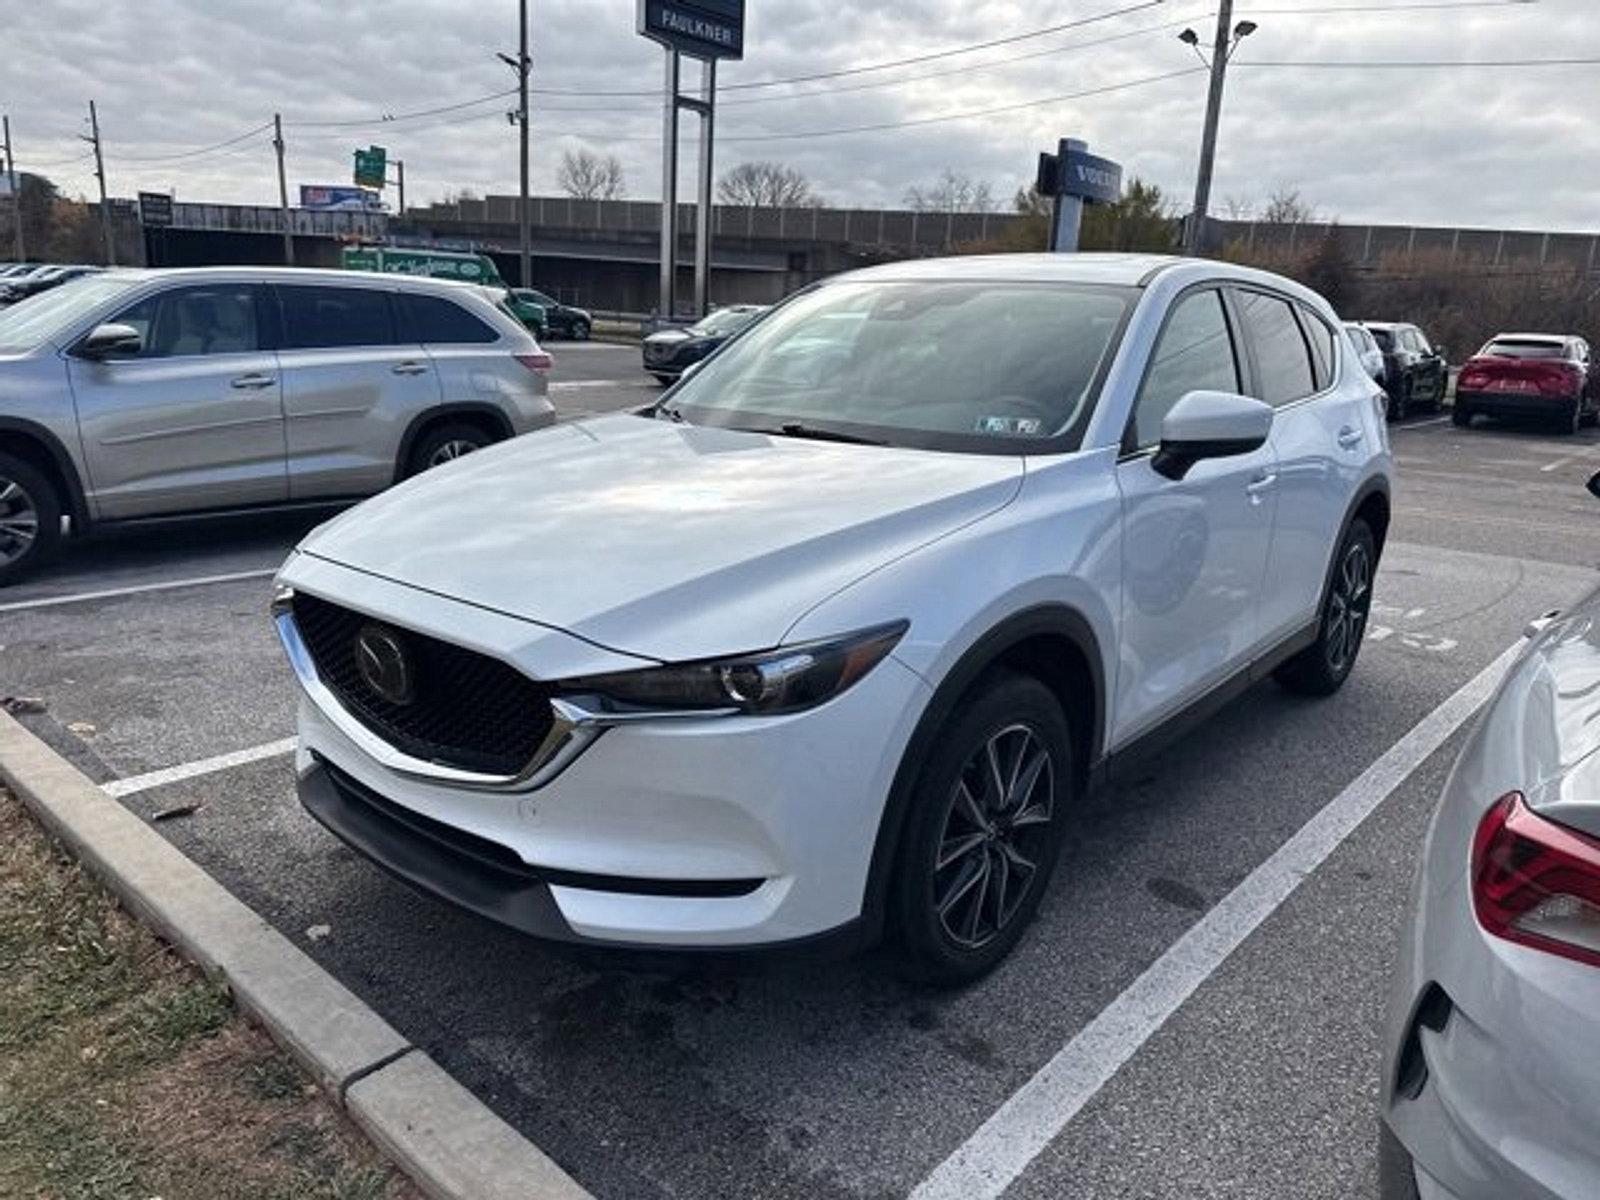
19, 521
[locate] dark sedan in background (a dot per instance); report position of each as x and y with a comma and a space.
1415, 372
668, 354
561, 320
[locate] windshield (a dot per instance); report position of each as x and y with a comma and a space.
988, 367
1525, 348
48, 316
721, 324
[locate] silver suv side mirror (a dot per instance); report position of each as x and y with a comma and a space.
107, 340
1205, 425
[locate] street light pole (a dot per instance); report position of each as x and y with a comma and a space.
16, 195
100, 175
1226, 37
283, 191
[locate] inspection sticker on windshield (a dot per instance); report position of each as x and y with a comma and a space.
1010, 426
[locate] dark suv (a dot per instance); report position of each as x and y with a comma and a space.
1414, 370
562, 320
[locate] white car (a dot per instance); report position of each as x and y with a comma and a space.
1491, 1084
1367, 349
803, 654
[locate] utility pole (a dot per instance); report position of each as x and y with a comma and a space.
400, 180
524, 68
1228, 37
100, 175
283, 190
16, 193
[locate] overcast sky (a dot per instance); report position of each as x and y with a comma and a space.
1476, 146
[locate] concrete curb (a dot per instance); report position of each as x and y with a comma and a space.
442, 1136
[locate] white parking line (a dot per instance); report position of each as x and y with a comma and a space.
1421, 424
1003, 1146
578, 385
135, 784
136, 589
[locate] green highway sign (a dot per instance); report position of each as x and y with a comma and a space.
372, 167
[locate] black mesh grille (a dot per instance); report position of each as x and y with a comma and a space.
470, 711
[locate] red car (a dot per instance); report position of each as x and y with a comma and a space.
1543, 375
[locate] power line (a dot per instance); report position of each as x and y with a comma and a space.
392, 118
196, 152
1422, 64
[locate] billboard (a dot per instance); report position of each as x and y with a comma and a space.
698, 28
338, 198
155, 209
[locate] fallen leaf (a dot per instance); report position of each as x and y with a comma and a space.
317, 932
81, 727
16, 705
177, 810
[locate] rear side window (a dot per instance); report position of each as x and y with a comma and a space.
189, 322
324, 318
1194, 353
1322, 349
439, 322
1283, 360
1513, 348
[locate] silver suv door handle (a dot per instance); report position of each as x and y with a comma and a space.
1262, 483
254, 381
1350, 437
410, 367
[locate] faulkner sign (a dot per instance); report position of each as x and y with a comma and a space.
699, 28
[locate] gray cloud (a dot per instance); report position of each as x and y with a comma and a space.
1471, 146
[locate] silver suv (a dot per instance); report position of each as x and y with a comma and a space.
139, 394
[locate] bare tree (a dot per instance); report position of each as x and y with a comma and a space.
1238, 208
585, 175
1287, 207
953, 192
766, 185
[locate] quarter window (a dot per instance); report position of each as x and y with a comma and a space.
1322, 349
438, 322
1283, 361
322, 318
1194, 353
192, 321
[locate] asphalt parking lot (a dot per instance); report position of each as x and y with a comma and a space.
160, 676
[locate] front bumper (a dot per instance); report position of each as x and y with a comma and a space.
712, 833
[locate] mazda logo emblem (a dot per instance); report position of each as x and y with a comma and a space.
383, 666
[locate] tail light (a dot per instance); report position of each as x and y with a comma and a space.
1537, 883
540, 362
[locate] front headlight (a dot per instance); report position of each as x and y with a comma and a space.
775, 681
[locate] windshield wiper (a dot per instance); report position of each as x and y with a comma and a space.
796, 429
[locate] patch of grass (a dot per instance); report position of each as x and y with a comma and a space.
125, 1073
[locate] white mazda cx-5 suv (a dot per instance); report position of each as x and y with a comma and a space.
834, 638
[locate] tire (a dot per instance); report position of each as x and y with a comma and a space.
1591, 415
666, 380
1400, 402
1460, 415
1322, 667
444, 443
579, 331
30, 519
1570, 420
991, 887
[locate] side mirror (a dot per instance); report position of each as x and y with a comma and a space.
1210, 425
691, 369
107, 340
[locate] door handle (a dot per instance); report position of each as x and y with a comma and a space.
1350, 437
409, 368
254, 382
1261, 485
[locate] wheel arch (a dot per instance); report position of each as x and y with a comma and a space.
486, 415
1053, 643
42, 449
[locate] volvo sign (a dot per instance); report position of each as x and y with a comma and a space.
707, 29
1073, 177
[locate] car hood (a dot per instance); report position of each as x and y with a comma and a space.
664, 540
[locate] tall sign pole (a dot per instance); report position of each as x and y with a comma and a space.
668, 306
702, 222
283, 190
708, 30
1073, 177
100, 175
16, 193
